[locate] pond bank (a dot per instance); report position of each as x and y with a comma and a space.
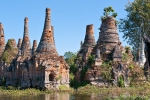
109, 93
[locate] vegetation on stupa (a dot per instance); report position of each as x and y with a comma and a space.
109, 11
138, 12
136, 74
9, 53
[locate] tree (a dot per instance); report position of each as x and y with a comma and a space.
108, 11
138, 12
70, 57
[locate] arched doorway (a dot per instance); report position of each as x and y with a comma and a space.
51, 77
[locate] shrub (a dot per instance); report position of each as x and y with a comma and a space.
106, 68
127, 49
121, 81
125, 57
73, 68
83, 72
91, 60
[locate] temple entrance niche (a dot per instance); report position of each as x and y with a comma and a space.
51, 77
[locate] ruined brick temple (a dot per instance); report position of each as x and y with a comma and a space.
37, 66
108, 47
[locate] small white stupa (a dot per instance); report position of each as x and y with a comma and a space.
142, 56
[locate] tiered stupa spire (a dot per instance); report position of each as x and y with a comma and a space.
108, 36
19, 43
34, 47
47, 43
89, 36
26, 47
88, 44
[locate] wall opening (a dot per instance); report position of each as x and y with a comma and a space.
51, 77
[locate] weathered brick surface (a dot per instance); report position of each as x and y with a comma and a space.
26, 47
34, 47
108, 35
19, 43
2, 39
108, 47
40, 67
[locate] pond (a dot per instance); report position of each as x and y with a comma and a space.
55, 96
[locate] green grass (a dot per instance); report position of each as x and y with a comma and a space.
65, 88
115, 91
10, 90
133, 97
16, 92
111, 93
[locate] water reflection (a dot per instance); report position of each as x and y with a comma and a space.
55, 96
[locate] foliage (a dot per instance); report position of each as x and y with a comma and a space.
138, 12
75, 84
73, 69
91, 60
70, 57
131, 66
127, 49
14, 91
106, 70
132, 97
9, 44
9, 53
5, 57
125, 57
121, 81
83, 72
107, 64
89, 89
116, 92
64, 88
108, 11
71, 76
136, 73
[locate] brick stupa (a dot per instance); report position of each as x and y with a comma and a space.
2, 39
53, 66
47, 44
26, 47
108, 35
88, 44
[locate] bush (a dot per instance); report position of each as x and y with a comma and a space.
131, 66
83, 72
125, 57
91, 60
106, 68
71, 76
121, 82
73, 69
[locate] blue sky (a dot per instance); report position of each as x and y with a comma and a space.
69, 18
